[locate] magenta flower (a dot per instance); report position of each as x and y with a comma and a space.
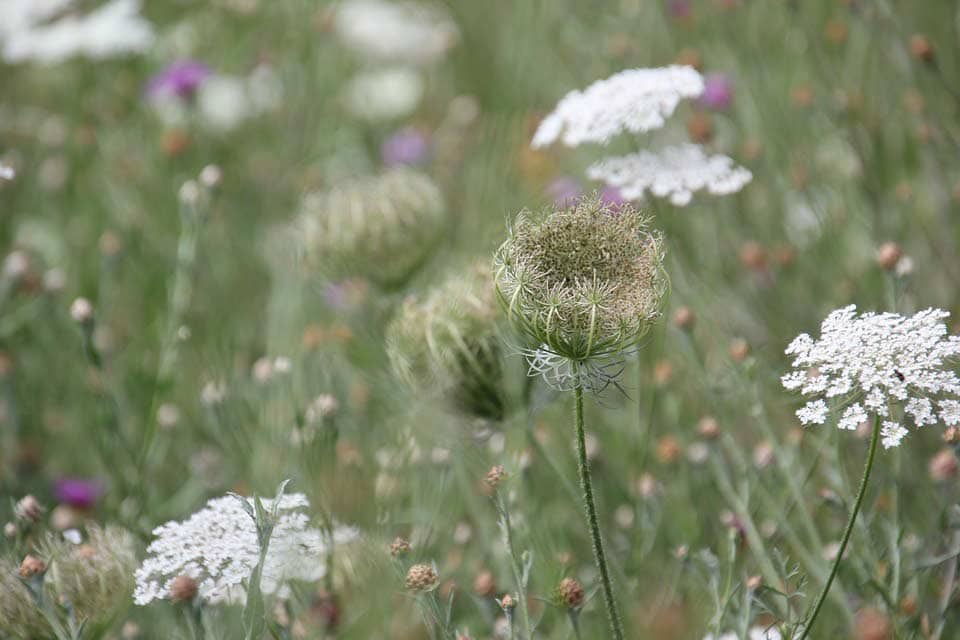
407, 146
81, 493
717, 92
679, 9
564, 190
179, 80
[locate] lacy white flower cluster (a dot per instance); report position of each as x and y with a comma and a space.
114, 28
676, 172
874, 363
395, 32
755, 633
565, 374
217, 546
635, 100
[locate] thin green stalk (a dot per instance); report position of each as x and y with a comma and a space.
868, 467
609, 598
516, 566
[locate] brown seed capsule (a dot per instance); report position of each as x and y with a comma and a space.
32, 566
484, 585
495, 475
400, 547
570, 593
889, 255
700, 128
753, 256
421, 578
921, 49
183, 589
668, 450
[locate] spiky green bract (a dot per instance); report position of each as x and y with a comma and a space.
584, 282
445, 340
381, 227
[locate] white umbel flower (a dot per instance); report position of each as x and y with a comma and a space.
634, 100
384, 94
674, 172
113, 28
217, 546
395, 31
877, 364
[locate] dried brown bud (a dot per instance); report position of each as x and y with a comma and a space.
708, 427
951, 435
32, 566
700, 127
739, 350
183, 589
400, 547
668, 450
690, 57
889, 255
495, 475
753, 256
570, 594
921, 49
943, 465
663, 372
872, 624
683, 318
836, 32
422, 578
484, 585
508, 603
28, 509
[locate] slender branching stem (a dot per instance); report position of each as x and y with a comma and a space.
867, 468
609, 598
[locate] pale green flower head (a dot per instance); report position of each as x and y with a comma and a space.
585, 282
382, 228
445, 341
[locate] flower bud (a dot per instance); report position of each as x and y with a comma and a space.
484, 584
569, 594
183, 589
889, 255
28, 509
32, 566
400, 547
494, 476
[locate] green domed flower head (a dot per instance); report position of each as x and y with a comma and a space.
381, 227
585, 283
445, 340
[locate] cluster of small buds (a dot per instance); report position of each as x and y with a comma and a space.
569, 594
28, 509
508, 603
494, 476
400, 547
421, 578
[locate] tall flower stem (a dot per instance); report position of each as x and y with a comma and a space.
586, 484
867, 468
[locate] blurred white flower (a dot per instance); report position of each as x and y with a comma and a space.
404, 32
217, 546
874, 362
113, 28
635, 100
676, 172
223, 102
384, 94
7, 172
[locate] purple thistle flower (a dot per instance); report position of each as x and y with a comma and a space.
564, 190
80, 493
406, 146
717, 92
180, 80
612, 197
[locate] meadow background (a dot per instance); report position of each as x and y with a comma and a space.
711, 494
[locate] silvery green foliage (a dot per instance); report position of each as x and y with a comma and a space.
379, 227
19, 615
871, 363
445, 340
675, 172
218, 547
634, 100
584, 283
395, 32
